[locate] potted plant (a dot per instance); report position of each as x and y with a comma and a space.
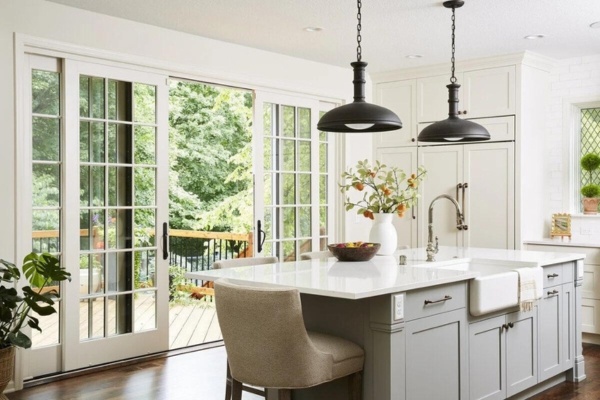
386, 191
17, 306
590, 192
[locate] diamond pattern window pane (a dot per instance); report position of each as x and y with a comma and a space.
590, 140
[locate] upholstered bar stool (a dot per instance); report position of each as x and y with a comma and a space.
241, 262
268, 345
312, 255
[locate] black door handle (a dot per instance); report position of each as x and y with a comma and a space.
165, 241
262, 235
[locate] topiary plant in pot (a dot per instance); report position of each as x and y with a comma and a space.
17, 306
590, 192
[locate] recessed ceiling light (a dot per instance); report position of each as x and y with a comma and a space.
313, 29
533, 37
414, 56
595, 25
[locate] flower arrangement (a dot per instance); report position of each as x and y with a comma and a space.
386, 189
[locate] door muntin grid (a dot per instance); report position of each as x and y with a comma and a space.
118, 171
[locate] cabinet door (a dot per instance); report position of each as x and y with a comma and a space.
550, 337
436, 357
489, 92
406, 159
432, 98
401, 98
489, 199
521, 352
487, 379
444, 166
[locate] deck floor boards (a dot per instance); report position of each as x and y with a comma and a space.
189, 324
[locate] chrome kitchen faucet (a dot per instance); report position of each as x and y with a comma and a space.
460, 225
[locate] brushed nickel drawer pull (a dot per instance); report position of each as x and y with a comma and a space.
446, 298
553, 293
552, 275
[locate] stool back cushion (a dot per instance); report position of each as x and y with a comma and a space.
265, 337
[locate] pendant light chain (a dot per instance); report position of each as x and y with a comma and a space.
358, 29
453, 78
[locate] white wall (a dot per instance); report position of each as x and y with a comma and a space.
574, 80
206, 58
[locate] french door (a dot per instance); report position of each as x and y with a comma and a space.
116, 158
294, 176
98, 145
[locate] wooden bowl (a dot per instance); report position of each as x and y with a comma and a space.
363, 253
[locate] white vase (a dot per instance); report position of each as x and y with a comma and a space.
384, 232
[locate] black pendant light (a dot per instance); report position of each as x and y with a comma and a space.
359, 116
453, 129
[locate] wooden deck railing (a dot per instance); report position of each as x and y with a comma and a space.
190, 250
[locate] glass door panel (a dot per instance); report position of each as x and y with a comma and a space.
293, 166
121, 193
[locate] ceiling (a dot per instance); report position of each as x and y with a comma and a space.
392, 29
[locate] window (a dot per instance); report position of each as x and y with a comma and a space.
589, 122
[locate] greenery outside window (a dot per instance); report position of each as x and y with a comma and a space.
589, 121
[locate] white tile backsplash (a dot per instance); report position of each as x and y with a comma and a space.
572, 78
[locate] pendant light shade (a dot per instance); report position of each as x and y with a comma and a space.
453, 129
359, 116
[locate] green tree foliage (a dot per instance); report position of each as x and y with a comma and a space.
210, 158
210, 177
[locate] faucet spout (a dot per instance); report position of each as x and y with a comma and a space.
460, 225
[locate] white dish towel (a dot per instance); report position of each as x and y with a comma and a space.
531, 280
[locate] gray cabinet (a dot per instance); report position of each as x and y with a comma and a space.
435, 357
556, 321
436, 343
502, 355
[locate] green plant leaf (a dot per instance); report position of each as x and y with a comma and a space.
34, 323
19, 339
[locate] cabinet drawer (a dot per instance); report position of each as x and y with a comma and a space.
435, 300
554, 275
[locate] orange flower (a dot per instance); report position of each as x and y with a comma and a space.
358, 186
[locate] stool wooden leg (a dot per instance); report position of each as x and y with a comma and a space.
236, 387
285, 394
355, 386
228, 384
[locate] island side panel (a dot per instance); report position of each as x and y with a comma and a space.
369, 323
577, 374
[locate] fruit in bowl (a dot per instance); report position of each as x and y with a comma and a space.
354, 251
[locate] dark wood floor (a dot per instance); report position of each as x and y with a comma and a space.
200, 375
589, 389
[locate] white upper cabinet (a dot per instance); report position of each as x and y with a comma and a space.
400, 97
432, 98
483, 93
488, 92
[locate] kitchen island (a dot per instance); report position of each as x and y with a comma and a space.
420, 340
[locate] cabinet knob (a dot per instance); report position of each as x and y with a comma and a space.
460, 112
552, 276
553, 292
511, 325
413, 140
465, 112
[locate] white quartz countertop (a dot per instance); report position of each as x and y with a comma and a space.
382, 274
